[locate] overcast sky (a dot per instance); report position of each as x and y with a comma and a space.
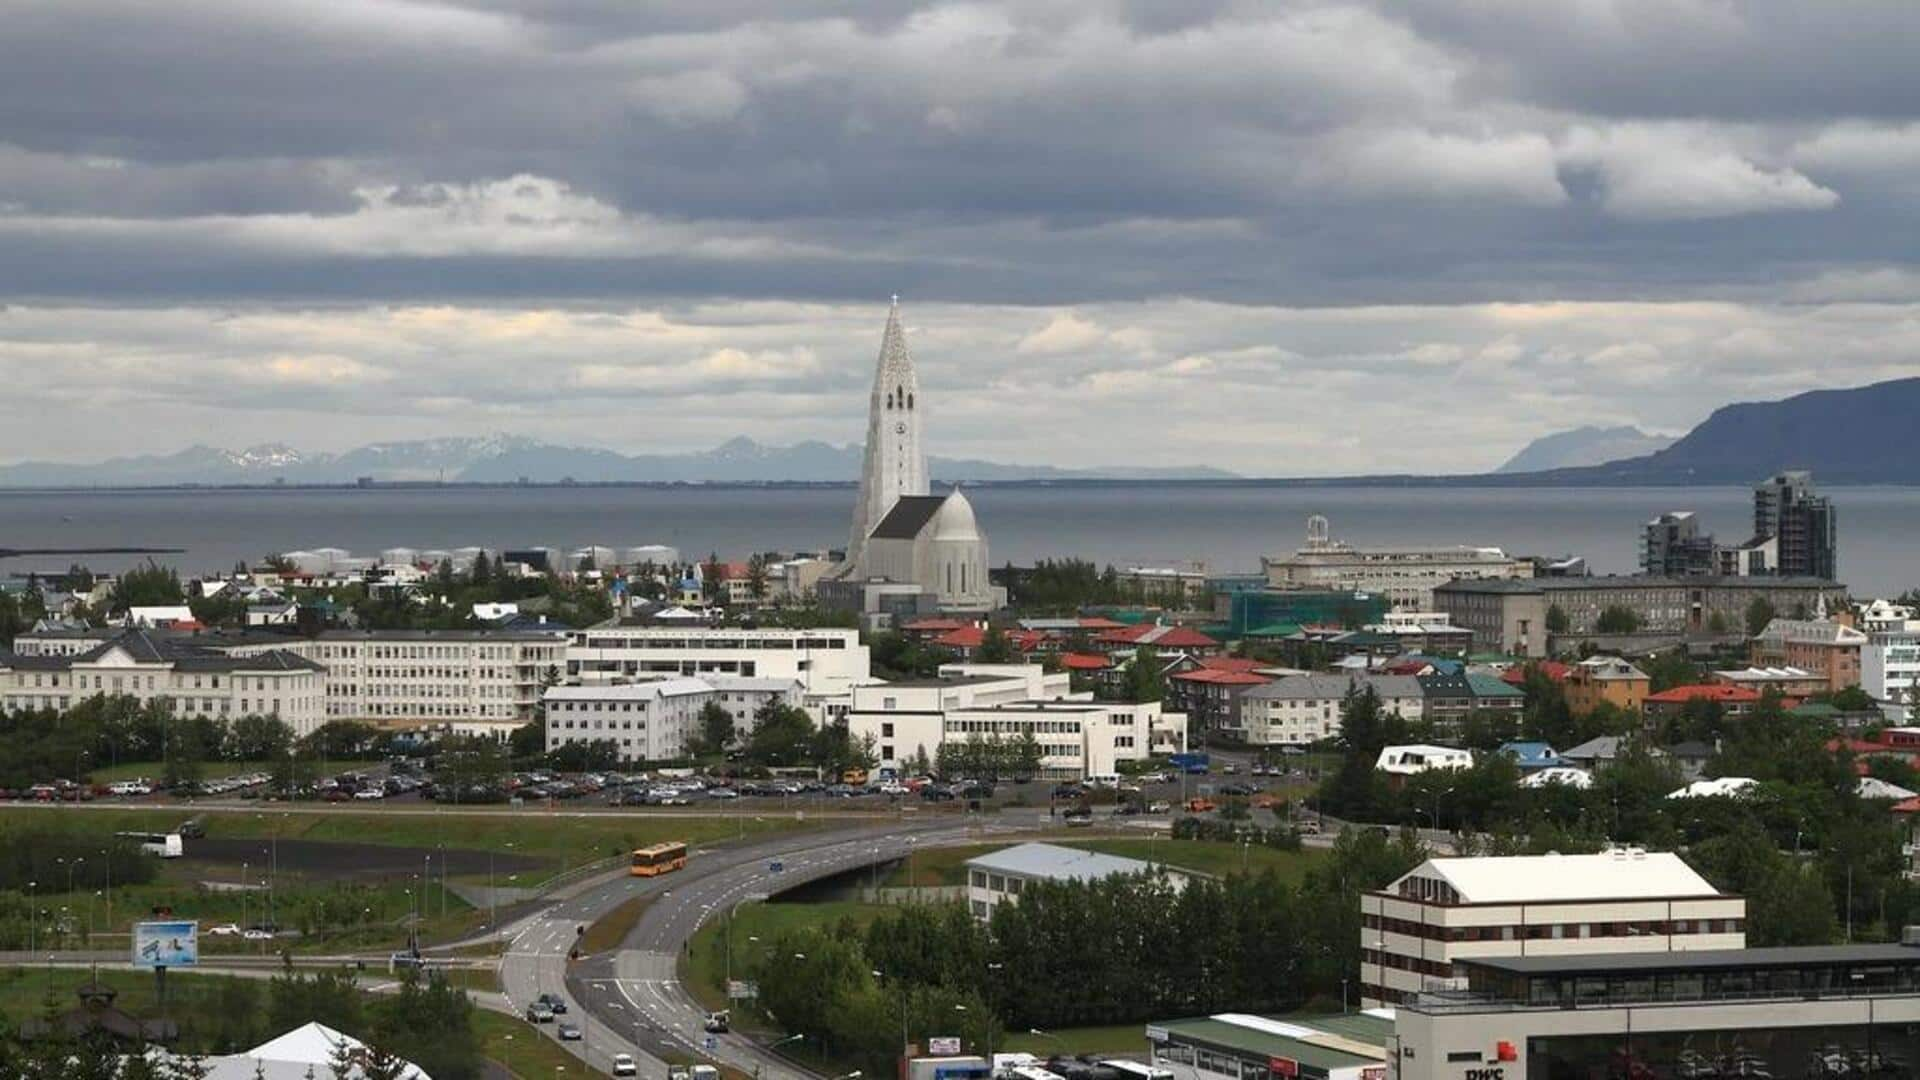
1280, 238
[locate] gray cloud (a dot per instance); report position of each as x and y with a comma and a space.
1321, 202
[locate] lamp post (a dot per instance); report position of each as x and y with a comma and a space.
106, 860
508, 1053
901, 986
33, 917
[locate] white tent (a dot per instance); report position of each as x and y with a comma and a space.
289, 1057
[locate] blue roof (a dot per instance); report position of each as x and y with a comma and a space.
1531, 754
1440, 665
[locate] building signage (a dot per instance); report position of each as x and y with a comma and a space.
1486, 1074
1280, 1066
166, 944
943, 1045
1156, 1034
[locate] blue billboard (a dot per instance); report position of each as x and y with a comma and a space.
166, 944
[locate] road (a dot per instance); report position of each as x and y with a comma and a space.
631, 1001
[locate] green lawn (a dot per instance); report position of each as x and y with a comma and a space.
1124, 1039
947, 865
705, 963
571, 840
525, 1052
204, 1005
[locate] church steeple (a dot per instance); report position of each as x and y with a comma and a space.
895, 464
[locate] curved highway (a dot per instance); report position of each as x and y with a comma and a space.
631, 1001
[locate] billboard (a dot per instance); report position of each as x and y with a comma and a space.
943, 1045
166, 944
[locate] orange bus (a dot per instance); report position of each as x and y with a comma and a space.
659, 859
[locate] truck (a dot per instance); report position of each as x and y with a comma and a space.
958, 1067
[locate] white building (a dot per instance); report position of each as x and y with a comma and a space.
1405, 576
655, 720
149, 666
1303, 709
1078, 737
159, 617
1890, 667
999, 877
466, 681
828, 663
1618, 901
1416, 758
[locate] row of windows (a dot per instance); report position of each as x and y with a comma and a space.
1554, 931
659, 644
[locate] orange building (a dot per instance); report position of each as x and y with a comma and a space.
1606, 679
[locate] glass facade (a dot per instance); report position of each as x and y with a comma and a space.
1814, 1053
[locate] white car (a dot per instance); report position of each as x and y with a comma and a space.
623, 1065
131, 787
257, 935
367, 794
224, 930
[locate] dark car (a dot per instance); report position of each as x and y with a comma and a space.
936, 794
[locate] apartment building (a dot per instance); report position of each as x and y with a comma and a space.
148, 666
1605, 680
1447, 910
1890, 667
828, 664
1303, 709
1078, 737
1820, 645
1512, 616
657, 719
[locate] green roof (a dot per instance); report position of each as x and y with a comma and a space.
1815, 709
1240, 1038
1492, 686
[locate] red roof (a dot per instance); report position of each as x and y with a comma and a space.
1552, 669
1076, 661
967, 637
1906, 806
1217, 677
1163, 637
1096, 622
1026, 640
1232, 663
1680, 695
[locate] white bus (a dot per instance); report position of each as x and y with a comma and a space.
1134, 1070
165, 845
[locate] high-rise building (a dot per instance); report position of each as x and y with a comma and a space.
895, 463
1803, 525
1672, 545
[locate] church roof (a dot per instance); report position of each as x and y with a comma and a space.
894, 357
909, 515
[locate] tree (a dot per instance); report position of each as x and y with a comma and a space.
757, 576
1556, 620
528, 740
259, 738
1759, 613
782, 735
1144, 679
1671, 668
482, 573
151, 585
994, 648
1617, 619
716, 728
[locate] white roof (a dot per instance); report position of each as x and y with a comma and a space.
1419, 757
1057, 863
641, 691
1617, 874
1872, 787
1706, 789
1559, 774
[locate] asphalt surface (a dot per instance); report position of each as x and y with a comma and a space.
631, 1000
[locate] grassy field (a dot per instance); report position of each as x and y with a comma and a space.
703, 968
525, 1052
946, 865
1124, 1039
202, 1004
570, 840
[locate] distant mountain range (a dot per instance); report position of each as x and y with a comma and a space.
1584, 446
1864, 435
510, 458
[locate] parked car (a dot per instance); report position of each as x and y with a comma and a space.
368, 794
224, 930
1201, 806
257, 934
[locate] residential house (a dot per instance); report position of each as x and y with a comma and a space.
1607, 680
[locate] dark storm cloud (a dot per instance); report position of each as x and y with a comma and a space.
1099, 207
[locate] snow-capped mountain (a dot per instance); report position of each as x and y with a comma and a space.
504, 458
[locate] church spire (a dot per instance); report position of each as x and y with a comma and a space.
895, 465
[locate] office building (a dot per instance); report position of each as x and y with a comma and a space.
1825, 1011
1446, 910
1890, 668
827, 663
1300, 710
1241, 1046
998, 877
1512, 616
1406, 577
1077, 736
471, 682
658, 719
1803, 525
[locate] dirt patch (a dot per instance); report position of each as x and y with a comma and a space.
328, 858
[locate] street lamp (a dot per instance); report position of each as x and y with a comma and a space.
902, 986
33, 917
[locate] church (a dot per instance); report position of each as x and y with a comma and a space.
910, 551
